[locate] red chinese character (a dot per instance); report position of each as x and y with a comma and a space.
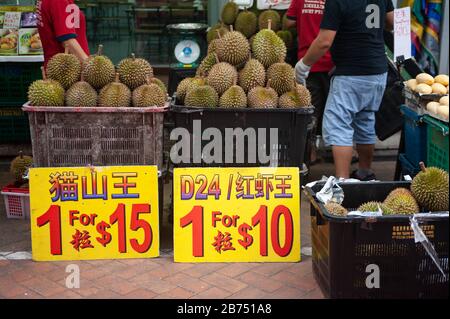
223, 242
81, 240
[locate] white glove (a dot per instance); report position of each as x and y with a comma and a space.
301, 72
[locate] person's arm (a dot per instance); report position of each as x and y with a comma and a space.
290, 23
75, 49
389, 24
320, 46
292, 14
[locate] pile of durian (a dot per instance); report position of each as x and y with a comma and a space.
428, 193
19, 168
240, 73
97, 82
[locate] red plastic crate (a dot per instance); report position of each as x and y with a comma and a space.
17, 202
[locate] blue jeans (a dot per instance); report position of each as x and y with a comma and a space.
349, 115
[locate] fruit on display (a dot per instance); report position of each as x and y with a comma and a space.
19, 167
268, 48
287, 38
398, 191
206, 65
148, 95
430, 188
282, 77
423, 88
412, 84
252, 75
246, 23
432, 107
438, 88
195, 82
234, 97
98, 70
222, 76
263, 97
182, 89
442, 111
64, 68
160, 83
212, 46
216, 31
81, 94
424, 78
115, 94
202, 96
269, 17
336, 209
439, 109
229, 12
303, 94
133, 72
444, 100
46, 92
233, 48
442, 79
375, 207
402, 204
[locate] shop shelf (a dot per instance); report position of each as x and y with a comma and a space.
344, 247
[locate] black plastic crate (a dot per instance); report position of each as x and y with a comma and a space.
344, 246
292, 125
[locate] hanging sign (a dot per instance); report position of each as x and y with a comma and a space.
94, 213
402, 33
273, 4
236, 215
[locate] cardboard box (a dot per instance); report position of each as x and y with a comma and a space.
9, 42
30, 42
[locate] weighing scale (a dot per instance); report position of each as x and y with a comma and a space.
188, 46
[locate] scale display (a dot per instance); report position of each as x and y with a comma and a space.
187, 52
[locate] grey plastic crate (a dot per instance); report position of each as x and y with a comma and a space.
100, 136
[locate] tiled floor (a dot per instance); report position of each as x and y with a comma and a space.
159, 277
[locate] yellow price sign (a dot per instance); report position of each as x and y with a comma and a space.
94, 213
236, 215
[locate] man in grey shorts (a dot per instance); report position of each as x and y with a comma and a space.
353, 30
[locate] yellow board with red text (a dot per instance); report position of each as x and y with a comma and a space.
94, 212
236, 215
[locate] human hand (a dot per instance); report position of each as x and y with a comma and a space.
301, 72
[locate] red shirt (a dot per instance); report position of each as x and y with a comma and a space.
58, 21
308, 14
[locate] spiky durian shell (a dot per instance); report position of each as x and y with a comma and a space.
46, 93
234, 97
252, 75
19, 166
148, 95
206, 65
262, 97
268, 47
430, 188
202, 96
402, 204
246, 23
233, 48
281, 76
336, 209
64, 68
229, 12
98, 71
375, 207
81, 94
222, 76
265, 16
115, 94
134, 71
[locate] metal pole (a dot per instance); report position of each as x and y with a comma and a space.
443, 56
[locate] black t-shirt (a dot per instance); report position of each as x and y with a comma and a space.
358, 48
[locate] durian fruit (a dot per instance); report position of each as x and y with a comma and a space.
19, 167
160, 83
212, 47
269, 15
134, 71
303, 94
222, 76
430, 188
81, 94
98, 70
263, 97
398, 191
206, 65
268, 48
375, 207
64, 68
289, 100
195, 82
182, 89
336, 209
281, 77
202, 96
216, 31
234, 97
233, 48
246, 23
115, 94
46, 92
287, 38
229, 12
148, 95
252, 75
402, 204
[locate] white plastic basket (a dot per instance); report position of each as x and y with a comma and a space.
17, 203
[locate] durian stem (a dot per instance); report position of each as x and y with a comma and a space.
100, 49
117, 78
44, 76
269, 25
268, 83
218, 34
149, 79
231, 28
422, 167
66, 49
217, 58
21, 154
133, 56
